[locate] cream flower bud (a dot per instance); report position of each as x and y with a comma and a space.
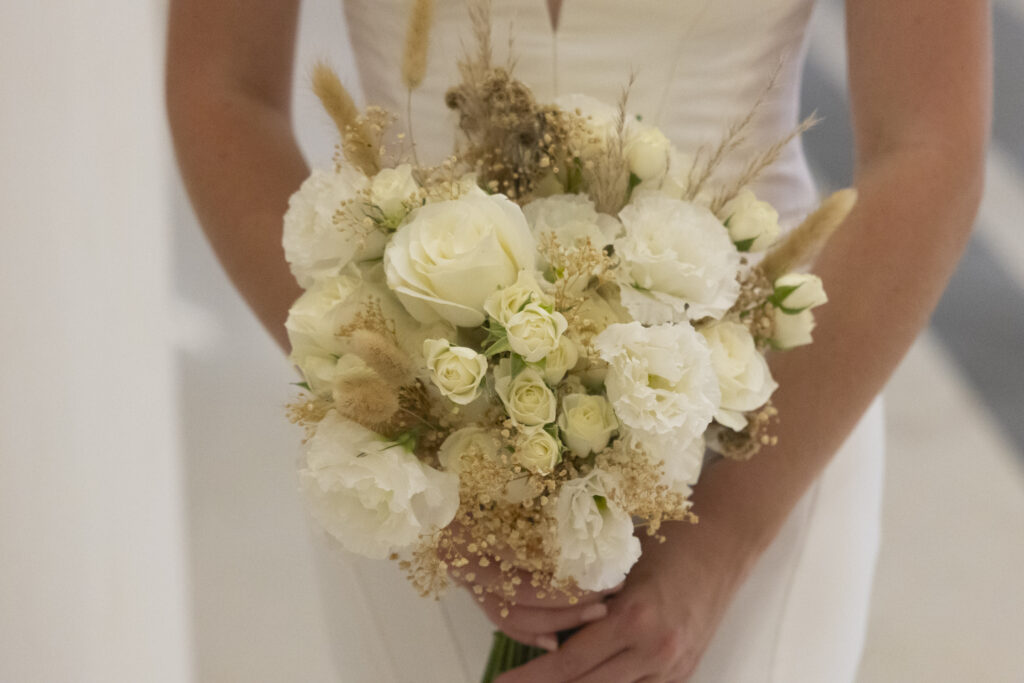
796, 292
753, 224
390, 192
455, 370
586, 423
534, 332
537, 450
507, 301
561, 360
647, 151
527, 398
792, 330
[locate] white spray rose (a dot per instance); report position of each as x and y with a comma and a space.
391, 192
743, 375
534, 332
677, 262
451, 255
456, 370
527, 398
795, 292
753, 225
792, 330
374, 497
647, 151
314, 245
537, 451
660, 379
586, 423
507, 301
595, 537
560, 361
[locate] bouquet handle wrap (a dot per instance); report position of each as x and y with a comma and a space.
507, 654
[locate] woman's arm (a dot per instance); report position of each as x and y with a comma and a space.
229, 75
920, 88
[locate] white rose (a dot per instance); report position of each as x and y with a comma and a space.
314, 245
743, 375
753, 225
507, 301
456, 370
391, 191
647, 151
374, 497
451, 255
527, 398
792, 330
677, 262
560, 361
596, 545
586, 423
537, 451
660, 379
534, 332
796, 292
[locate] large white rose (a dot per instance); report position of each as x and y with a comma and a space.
455, 370
527, 398
374, 497
586, 423
753, 225
534, 332
596, 545
392, 191
743, 374
314, 244
677, 261
451, 255
660, 379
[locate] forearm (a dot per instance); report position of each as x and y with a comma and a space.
240, 164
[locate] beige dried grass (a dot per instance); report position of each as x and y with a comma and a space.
802, 245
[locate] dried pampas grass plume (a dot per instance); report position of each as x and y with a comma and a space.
336, 100
417, 40
804, 242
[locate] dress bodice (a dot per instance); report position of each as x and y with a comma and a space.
699, 65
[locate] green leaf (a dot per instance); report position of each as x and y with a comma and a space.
303, 385
634, 180
601, 502
407, 440
780, 294
529, 298
744, 245
518, 363
500, 346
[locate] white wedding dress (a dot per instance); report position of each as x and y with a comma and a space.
699, 64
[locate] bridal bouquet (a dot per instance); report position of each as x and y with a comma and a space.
517, 358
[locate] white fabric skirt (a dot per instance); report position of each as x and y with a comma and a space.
800, 616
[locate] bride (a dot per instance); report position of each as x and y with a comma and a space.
773, 583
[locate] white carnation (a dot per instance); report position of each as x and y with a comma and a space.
314, 245
753, 225
451, 255
743, 374
374, 497
677, 261
595, 537
660, 379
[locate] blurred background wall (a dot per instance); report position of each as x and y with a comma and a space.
150, 527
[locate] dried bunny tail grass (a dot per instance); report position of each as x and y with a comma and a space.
734, 137
417, 40
759, 163
366, 399
334, 97
802, 244
382, 354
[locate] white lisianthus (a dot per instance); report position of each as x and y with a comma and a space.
537, 451
465, 447
373, 496
795, 292
660, 379
451, 255
314, 244
791, 330
599, 119
586, 423
572, 220
677, 262
456, 370
391, 191
560, 361
507, 301
681, 457
743, 375
753, 224
596, 545
647, 151
315, 317
527, 398
534, 332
